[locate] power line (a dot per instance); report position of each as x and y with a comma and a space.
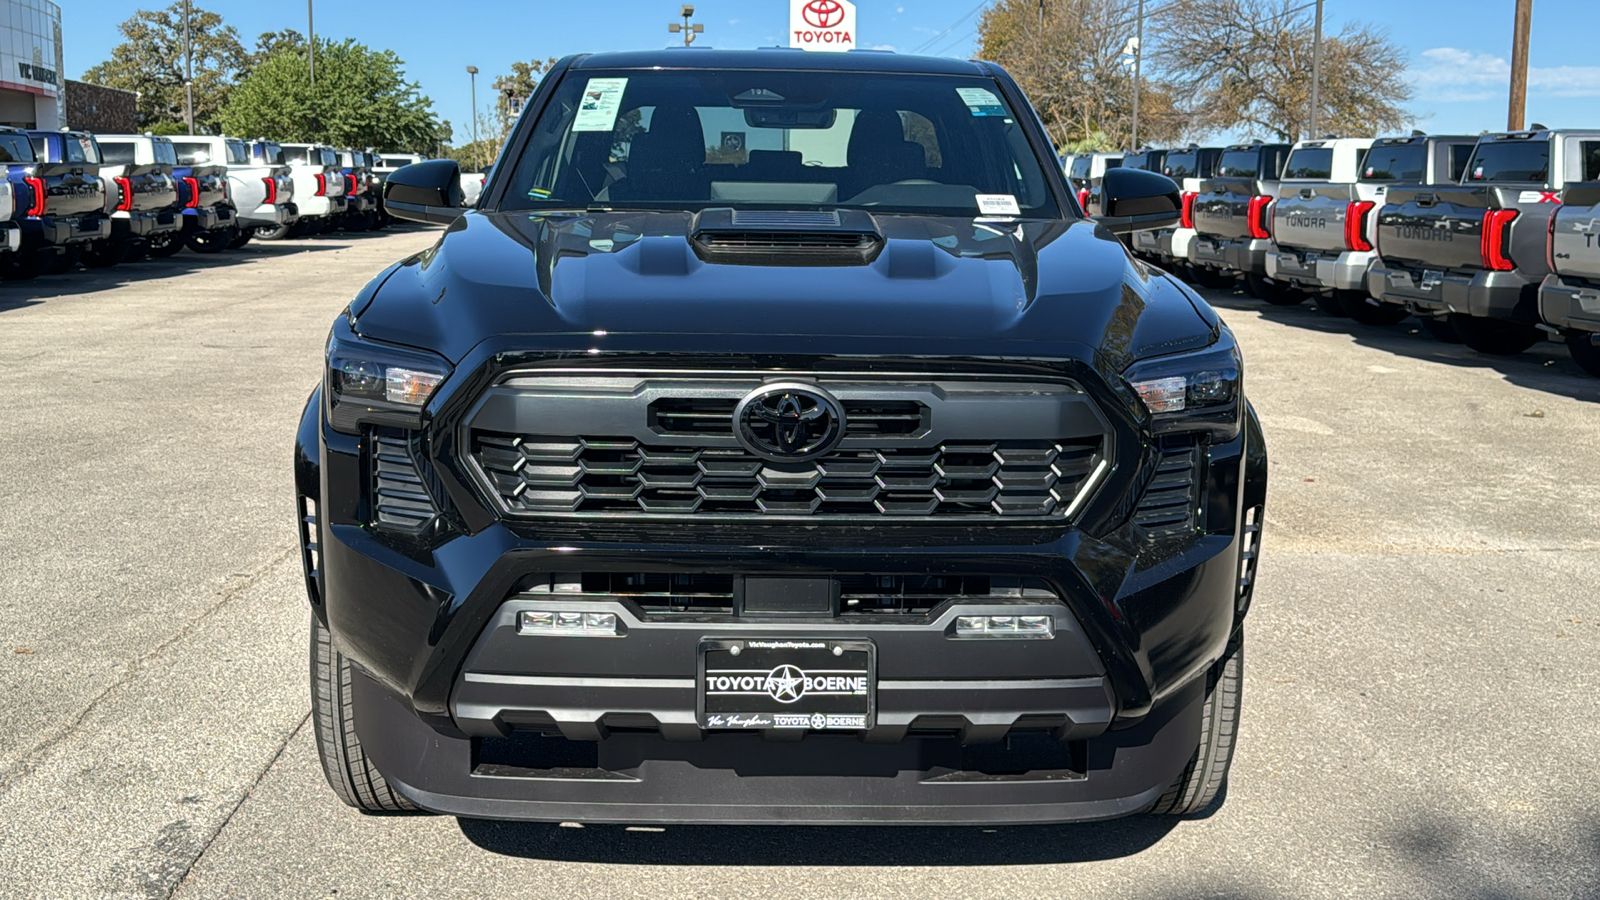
953, 26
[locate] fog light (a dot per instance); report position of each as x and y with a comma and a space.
567, 623
1005, 626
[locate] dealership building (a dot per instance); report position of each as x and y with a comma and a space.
30, 64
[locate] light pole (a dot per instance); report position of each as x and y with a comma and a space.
188, 71
689, 31
311, 40
1138, 60
1316, 73
472, 71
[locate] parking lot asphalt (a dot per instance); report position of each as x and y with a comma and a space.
1423, 658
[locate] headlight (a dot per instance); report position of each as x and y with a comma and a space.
379, 384
1192, 392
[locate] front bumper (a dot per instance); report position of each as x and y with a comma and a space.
444, 679
1485, 294
1564, 304
1345, 272
140, 224
1240, 256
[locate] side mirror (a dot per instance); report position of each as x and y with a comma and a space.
1135, 200
425, 192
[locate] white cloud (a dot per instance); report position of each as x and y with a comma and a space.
889, 47
733, 21
1450, 75
899, 9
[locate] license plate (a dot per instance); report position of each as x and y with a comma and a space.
1205, 246
1145, 239
1310, 260
1431, 278
815, 685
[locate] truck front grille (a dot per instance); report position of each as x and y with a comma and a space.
399, 498
544, 474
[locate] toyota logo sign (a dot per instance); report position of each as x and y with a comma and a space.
822, 24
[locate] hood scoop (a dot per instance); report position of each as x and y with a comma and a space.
740, 237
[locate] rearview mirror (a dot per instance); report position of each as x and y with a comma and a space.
1135, 200
425, 192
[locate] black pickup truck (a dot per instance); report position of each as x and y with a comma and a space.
66, 203
1475, 251
1233, 219
863, 485
1569, 298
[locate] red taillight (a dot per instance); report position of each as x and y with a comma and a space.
1492, 246
125, 202
272, 190
41, 197
1083, 199
1188, 208
322, 185
194, 192
1258, 217
350, 185
1355, 225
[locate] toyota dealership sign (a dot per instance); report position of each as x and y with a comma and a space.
822, 24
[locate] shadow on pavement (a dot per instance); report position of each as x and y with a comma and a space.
20, 294
1546, 367
721, 845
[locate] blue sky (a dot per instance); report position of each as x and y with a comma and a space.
1458, 49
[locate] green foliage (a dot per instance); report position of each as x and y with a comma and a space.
150, 60
521, 83
167, 128
361, 98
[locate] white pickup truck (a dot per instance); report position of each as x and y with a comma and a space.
319, 189
262, 191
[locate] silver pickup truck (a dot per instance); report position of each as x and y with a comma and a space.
1569, 298
1233, 223
1320, 228
1475, 252
1169, 247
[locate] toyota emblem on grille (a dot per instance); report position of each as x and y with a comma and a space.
788, 422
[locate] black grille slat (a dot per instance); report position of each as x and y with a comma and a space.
1004, 479
714, 415
400, 499
1171, 500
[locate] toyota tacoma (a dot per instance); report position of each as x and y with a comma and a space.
845, 473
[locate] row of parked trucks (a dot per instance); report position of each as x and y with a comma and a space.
1492, 240
72, 197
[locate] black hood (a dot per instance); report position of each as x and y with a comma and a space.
632, 281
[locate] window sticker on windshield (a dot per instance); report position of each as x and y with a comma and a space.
998, 205
602, 99
981, 101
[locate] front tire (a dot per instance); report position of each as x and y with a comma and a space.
1359, 306
1207, 772
1584, 351
344, 762
272, 233
1495, 337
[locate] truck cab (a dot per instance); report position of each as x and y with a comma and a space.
1320, 227
1474, 252
68, 202
150, 197
1569, 297
319, 186
1233, 218
1169, 247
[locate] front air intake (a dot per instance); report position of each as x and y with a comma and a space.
785, 238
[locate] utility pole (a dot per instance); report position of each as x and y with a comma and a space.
311, 40
188, 71
1138, 60
1316, 74
689, 31
472, 71
1519, 66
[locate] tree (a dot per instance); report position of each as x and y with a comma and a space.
1247, 64
150, 61
520, 84
1069, 62
361, 99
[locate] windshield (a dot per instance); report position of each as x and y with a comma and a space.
190, 153
1079, 171
1510, 161
1310, 162
165, 153
272, 154
15, 148
1239, 164
698, 139
1400, 162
